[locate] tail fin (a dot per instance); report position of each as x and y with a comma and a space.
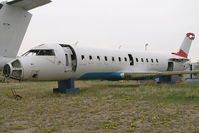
13, 26
14, 21
186, 44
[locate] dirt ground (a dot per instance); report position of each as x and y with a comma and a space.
100, 106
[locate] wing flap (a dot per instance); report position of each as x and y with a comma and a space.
157, 74
28, 4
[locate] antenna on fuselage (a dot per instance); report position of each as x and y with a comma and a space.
146, 46
76, 43
120, 47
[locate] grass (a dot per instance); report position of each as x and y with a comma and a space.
101, 106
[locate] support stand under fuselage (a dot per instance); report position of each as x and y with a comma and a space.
66, 86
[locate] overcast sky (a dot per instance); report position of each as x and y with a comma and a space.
111, 23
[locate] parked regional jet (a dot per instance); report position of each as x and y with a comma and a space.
62, 62
14, 21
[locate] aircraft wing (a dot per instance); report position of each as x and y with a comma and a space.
28, 4
156, 74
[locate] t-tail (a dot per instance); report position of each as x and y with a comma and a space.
186, 44
14, 21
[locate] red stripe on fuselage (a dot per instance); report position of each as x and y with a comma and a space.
181, 53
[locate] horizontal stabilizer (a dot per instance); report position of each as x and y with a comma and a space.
133, 76
28, 4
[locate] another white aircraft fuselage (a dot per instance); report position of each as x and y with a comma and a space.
62, 62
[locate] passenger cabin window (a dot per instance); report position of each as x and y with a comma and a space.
1, 6
113, 59
137, 60
131, 60
142, 59
98, 58
147, 60
67, 61
90, 58
105, 58
119, 58
83, 57
125, 58
42, 52
152, 60
157, 60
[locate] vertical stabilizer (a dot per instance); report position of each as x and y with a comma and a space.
186, 45
14, 22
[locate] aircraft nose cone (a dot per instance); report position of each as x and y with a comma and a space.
7, 71
13, 70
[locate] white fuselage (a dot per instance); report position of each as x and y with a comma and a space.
80, 62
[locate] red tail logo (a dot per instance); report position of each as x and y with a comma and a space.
181, 53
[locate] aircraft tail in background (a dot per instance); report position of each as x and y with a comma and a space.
14, 21
186, 45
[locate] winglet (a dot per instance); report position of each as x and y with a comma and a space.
185, 47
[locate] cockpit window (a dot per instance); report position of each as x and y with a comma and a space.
37, 52
1, 6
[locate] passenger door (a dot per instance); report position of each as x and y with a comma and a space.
170, 66
68, 60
